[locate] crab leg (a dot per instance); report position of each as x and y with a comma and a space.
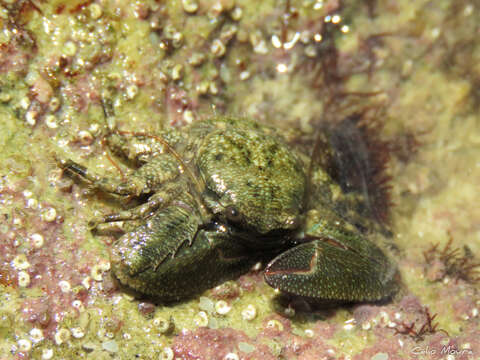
108, 185
156, 201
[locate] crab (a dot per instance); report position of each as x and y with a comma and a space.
222, 194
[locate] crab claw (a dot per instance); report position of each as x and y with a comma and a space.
169, 259
324, 269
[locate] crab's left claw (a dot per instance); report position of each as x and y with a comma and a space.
329, 270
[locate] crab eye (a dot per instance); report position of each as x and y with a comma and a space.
233, 214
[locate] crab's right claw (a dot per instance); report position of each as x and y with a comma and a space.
324, 271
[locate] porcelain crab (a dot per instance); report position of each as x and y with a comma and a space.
223, 193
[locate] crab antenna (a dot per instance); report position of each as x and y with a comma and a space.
317, 147
108, 114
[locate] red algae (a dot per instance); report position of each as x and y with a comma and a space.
390, 347
176, 104
438, 348
410, 304
214, 344
82, 92
52, 264
251, 281
276, 339
13, 58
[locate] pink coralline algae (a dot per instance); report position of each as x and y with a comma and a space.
215, 344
